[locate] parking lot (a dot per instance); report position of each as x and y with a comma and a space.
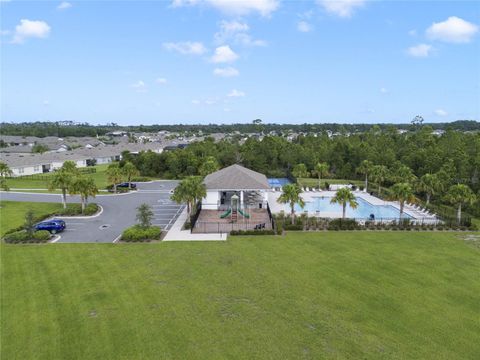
118, 212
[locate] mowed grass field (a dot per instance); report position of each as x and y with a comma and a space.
100, 178
335, 295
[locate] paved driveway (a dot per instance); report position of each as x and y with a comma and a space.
119, 211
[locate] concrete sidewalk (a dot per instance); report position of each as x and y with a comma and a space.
177, 234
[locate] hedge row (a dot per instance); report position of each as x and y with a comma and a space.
22, 236
137, 233
252, 232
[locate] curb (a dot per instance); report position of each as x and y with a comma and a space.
55, 239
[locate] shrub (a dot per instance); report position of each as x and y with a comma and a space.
17, 237
343, 224
137, 233
41, 236
140, 179
76, 209
22, 236
252, 232
295, 227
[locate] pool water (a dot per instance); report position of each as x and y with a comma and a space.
321, 205
278, 182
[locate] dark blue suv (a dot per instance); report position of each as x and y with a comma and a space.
53, 226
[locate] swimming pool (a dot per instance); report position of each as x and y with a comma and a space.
278, 182
322, 204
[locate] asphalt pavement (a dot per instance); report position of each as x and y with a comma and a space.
119, 211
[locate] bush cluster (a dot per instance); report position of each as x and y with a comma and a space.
252, 232
313, 223
22, 236
76, 209
141, 179
137, 233
343, 224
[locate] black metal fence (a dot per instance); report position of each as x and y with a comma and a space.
206, 227
194, 216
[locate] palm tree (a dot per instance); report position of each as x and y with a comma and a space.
190, 190
403, 174
365, 168
129, 171
345, 196
300, 171
180, 195
114, 175
70, 166
61, 180
85, 187
402, 192
291, 195
379, 174
458, 195
4, 172
321, 169
430, 184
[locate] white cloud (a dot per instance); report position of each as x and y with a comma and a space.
30, 29
196, 102
304, 26
139, 86
234, 7
412, 32
210, 101
161, 81
247, 40
46, 103
186, 47
341, 8
236, 93
233, 26
454, 30
420, 50
383, 90
238, 32
223, 54
226, 72
440, 112
64, 5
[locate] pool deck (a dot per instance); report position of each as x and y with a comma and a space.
309, 196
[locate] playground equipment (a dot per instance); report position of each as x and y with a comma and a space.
234, 210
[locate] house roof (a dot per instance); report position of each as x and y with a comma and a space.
236, 177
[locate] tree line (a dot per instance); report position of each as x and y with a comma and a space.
429, 164
63, 129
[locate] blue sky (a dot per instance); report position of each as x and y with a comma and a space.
216, 61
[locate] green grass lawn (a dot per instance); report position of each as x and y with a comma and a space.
335, 295
12, 213
313, 182
26, 183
